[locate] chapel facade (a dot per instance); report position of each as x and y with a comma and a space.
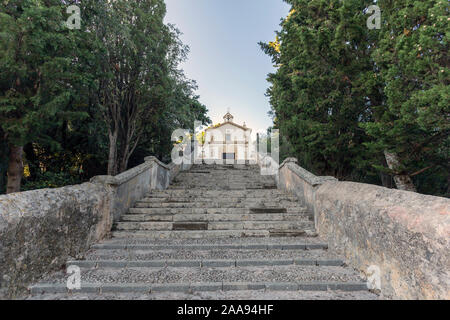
227, 142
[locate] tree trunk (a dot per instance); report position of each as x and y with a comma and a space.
15, 169
127, 152
402, 181
112, 157
123, 162
386, 179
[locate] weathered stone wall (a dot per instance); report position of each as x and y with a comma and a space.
127, 187
40, 229
405, 234
300, 182
132, 185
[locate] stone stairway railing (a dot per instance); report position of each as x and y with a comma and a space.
217, 229
40, 229
400, 239
132, 185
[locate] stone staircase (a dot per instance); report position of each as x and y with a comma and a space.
216, 232
217, 202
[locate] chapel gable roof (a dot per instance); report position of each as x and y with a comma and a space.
228, 122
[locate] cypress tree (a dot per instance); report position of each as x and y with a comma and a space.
413, 125
324, 85
36, 58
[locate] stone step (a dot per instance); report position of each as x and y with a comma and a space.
224, 186
219, 193
216, 229
212, 254
213, 244
221, 199
215, 217
167, 191
206, 193
214, 225
147, 288
163, 274
232, 177
221, 179
254, 174
219, 196
224, 182
251, 174
203, 263
236, 178
232, 173
216, 204
212, 210
201, 234
218, 188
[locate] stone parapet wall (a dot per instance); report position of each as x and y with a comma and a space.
300, 182
127, 187
404, 235
41, 229
132, 185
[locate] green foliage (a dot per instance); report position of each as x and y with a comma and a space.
50, 179
3, 162
57, 86
323, 84
412, 56
343, 94
36, 53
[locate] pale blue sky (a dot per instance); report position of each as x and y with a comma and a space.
225, 59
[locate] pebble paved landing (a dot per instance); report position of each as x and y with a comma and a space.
218, 232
